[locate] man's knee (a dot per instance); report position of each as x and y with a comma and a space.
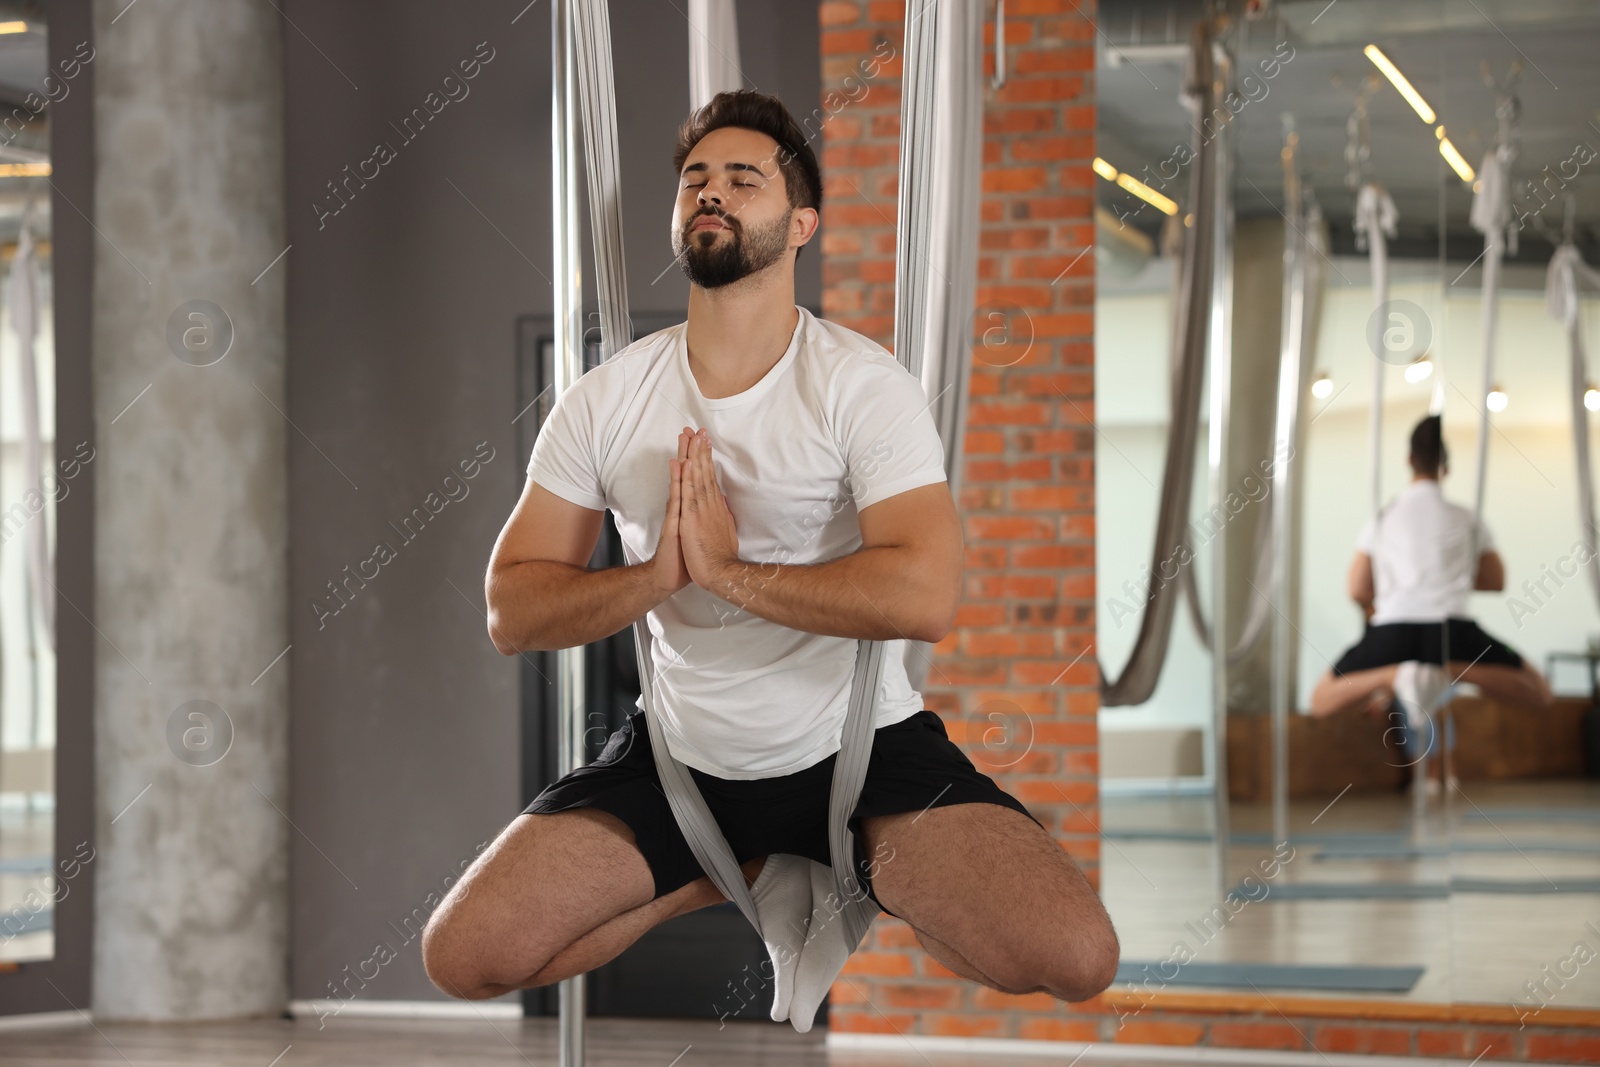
446, 959
1078, 963
1091, 965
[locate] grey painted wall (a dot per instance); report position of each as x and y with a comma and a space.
404, 732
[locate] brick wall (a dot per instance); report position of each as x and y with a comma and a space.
1009, 681
1012, 681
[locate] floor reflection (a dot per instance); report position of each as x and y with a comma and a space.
1507, 877
26, 885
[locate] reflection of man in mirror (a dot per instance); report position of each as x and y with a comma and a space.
1413, 572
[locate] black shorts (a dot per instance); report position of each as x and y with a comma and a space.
1461, 640
914, 766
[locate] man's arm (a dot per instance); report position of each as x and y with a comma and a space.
1359, 582
541, 593
1491, 577
904, 581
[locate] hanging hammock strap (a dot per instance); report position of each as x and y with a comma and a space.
713, 50
1490, 216
1567, 269
700, 827
1375, 223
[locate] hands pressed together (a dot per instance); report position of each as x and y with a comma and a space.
699, 537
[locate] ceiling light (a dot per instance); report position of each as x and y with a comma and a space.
1147, 194
24, 170
1392, 72
1322, 388
1497, 399
1134, 186
1591, 397
1451, 156
1419, 369
13, 27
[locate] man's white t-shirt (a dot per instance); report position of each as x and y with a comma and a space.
1423, 567
836, 425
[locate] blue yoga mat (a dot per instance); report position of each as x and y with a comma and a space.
1403, 851
1554, 885
1362, 979
1329, 837
1349, 891
1140, 834
1583, 815
21, 921
1418, 890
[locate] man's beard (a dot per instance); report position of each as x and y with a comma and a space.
742, 254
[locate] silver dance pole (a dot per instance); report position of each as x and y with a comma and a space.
1217, 452
568, 301
1283, 509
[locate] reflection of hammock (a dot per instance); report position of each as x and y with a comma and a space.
1260, 609
1191, 324
1561, 300
22, 302
1191, 319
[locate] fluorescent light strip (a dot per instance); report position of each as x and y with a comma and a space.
1392, 72
1134, 186
1462, 168
1147, 194
13, 27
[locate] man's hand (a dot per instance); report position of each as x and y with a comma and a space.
672, 574
706, 527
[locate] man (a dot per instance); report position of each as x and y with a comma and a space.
1413, 573
802, 506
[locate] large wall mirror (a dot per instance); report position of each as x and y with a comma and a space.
1434, 838
36, 473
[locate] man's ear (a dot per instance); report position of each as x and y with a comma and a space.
815, 220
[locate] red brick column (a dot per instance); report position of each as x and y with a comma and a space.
1014, 681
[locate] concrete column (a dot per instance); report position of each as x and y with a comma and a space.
191, 524
1257, 325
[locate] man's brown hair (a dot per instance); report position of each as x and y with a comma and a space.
1428, 453
752, 110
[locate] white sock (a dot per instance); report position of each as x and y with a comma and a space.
1418, 686
782, 893
825, 951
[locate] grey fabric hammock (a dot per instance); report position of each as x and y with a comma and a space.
935, 276
1192, 320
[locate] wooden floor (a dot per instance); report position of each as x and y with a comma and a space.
351, 1042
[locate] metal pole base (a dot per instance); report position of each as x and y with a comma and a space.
572, 1018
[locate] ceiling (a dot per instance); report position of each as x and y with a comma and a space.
1440, 46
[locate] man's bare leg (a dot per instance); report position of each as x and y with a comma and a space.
608, 940
555, 895
953, 959
1335, 692
1521, 686
982, 882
